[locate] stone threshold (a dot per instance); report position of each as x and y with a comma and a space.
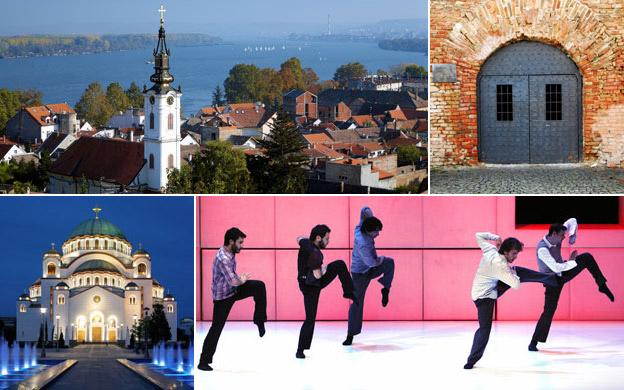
45, 377
153, 377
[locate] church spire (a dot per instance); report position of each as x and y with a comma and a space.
161, 77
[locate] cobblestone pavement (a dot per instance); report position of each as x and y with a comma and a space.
527, 179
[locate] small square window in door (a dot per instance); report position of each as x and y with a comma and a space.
553, 102
504, 102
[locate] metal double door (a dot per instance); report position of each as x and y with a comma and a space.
529, 119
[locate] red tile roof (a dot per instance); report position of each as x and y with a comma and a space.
317, 138
362, 120
39, 113
397, 114
113, 160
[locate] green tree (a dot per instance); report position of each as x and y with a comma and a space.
217, 169
413, 71
408, 155
6, 174
93, 106
84, 185
159, 329
291, 75
117, 97
218, 98
241, 83
352, 70
135, 96
9, 105
61, 341
281, 170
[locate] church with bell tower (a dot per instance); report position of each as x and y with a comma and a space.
162, 117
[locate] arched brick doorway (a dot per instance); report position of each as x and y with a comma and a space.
529, 106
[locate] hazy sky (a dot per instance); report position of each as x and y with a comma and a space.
163, 225
225, 18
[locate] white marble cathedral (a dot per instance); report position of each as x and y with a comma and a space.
94, 291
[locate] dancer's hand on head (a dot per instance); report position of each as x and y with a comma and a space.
573, 255
498, 242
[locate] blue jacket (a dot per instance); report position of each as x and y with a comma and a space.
364, 255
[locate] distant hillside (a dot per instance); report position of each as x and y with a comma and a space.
404, 44
51, 45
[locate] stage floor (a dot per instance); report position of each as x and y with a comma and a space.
397, 355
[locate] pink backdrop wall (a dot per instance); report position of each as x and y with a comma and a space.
430, 238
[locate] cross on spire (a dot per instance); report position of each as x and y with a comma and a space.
162, 11
97, 212
52, 246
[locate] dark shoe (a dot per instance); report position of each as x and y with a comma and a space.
468, 366
204, 366
384, 296
348, 340
300, 355
261, 329
352, 297
605, 290
533, 346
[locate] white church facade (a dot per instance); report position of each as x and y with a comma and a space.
94, 290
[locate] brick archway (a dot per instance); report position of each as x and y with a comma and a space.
466, 35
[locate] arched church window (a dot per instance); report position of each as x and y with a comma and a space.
151, 161
51, 269
106, 281
170, 161
133, 300
169, 308
80, 282
112, 323
22, 308
151, 120
97, 244
97, 280
88, 244
61, 300
142, 269
170, 121
88, 281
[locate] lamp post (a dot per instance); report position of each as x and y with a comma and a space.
145, 331
58, 336
44, 322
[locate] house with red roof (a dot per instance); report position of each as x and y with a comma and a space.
34, 124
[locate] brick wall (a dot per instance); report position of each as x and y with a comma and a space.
466, 33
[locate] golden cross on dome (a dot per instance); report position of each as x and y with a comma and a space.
97, 211
52, 246
162, 11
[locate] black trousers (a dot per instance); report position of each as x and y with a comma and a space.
221, 310
485, 309
361, 282
552, 294
311, 296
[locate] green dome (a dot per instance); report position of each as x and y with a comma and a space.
96, 265
97, 226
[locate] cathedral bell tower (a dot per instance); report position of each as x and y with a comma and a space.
162, 117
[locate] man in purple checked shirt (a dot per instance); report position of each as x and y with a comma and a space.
227, 288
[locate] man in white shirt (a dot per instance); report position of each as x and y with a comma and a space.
549, 260
494, 268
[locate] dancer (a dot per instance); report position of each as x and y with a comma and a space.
227, 288
495, 267
313, 276
366, 266
549, 260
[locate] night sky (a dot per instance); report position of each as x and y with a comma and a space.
163, 225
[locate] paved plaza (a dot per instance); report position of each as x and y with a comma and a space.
527, 179
97, 368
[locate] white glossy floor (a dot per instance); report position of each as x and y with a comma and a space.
398, 355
